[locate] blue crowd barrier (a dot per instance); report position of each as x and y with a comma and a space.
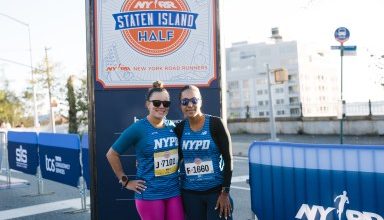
308, 181
22, 151
85, 160
59, 156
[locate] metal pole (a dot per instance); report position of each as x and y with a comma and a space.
35, 118
271, 111
341, 94
36, 122
49, 92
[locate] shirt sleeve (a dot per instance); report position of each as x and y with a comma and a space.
179, 131
223, 138
128, 138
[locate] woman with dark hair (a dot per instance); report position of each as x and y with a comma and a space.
206, 154
156, 186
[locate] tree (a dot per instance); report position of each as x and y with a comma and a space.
73, 126
78, 104
47, 82
11, 109
82, 104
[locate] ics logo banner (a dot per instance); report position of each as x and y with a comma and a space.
140, 41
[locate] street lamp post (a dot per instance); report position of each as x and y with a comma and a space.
271, 110
35, 118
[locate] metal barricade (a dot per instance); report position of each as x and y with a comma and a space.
4, 157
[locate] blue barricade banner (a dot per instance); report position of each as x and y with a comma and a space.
85, 159
316, 182
60, 157
22, 151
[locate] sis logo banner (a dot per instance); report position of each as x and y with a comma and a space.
139, 42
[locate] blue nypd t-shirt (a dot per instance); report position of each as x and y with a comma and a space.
157, 158
203, 165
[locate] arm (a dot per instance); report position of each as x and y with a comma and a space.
223, 140
179, 131
128, 138
114, 160
225, 146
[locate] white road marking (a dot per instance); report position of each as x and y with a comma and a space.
239, 179
41, 208
239, 187
13, 180
240, 158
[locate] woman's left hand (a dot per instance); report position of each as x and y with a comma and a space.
224, 205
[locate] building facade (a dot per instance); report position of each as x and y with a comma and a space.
312, 88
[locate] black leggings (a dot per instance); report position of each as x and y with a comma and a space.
202, 206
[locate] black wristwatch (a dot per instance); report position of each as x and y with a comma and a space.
225, 189
125, 180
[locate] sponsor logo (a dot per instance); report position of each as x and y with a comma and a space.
56, 165
21, 157
157, 27
204, 133
319, 212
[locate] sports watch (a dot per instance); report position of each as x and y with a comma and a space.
124, 179
225, 189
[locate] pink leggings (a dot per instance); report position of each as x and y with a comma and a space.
162, 209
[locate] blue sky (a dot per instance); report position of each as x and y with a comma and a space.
60, 26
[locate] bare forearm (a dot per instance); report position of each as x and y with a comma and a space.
114, 160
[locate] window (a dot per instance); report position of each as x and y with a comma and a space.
245, 84
279, 101
233, 85
279, 90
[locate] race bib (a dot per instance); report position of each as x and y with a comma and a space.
199, 167
166, 162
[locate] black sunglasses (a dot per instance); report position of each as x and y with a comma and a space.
157, 103
186, 101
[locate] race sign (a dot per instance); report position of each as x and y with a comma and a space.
143, 41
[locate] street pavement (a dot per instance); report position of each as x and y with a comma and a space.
241, 142
61, 202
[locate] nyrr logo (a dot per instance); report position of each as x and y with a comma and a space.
319, 212
155, 28
21, 155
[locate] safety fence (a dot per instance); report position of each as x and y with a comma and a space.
60, 158
308, 181
321, 109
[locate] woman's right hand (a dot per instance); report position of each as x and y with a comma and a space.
136, 185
